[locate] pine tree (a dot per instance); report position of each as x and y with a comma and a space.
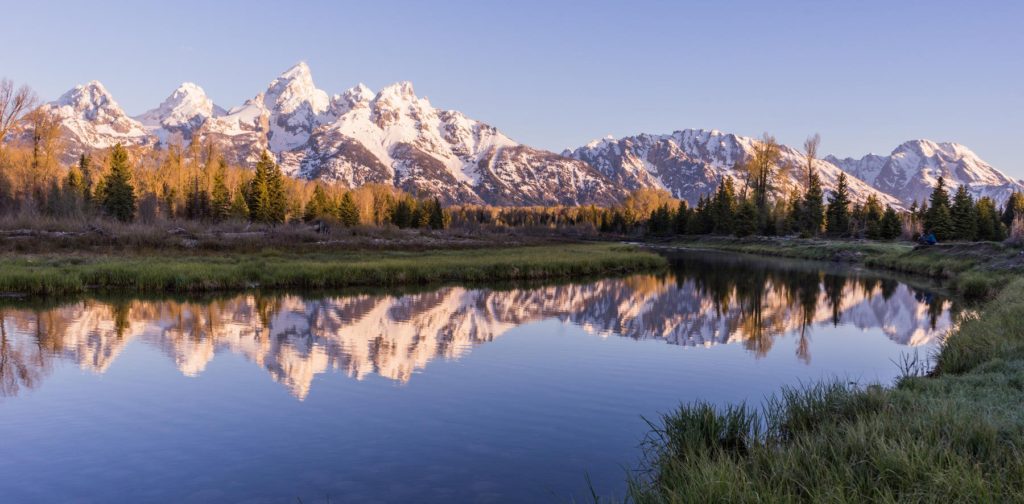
437, 217
938, 218
838, 212
873, 218
746, 218
221, 196
84, 165
318, 207
257, 196
1014, 208
813, 207
239, 208
118, 192
277, 197
401, 216
965, 221
724, 207
891, 226
989, 225
197, 201
348, 212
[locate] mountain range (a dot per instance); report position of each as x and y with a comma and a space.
395, 336
395, 137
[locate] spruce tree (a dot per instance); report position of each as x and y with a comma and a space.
257, 196
118, 192
965, 222
813, 208
873, 215
348, 212
220, 196
724, 207
838, 212
891, 226
989, 225
277, 197
1014, 208
437, 218
746, 218
318, 206
239, 208
938, 218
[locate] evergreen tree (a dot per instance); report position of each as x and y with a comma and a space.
277, 196
118, 192
257, 196
220, 205
989, 225
437, 217
1014, 208
965, 221
401, 216
891, 226
938, 218
746, 218
681, 222
239, 208
318, 206
838, 212
84, 165
197, 201
348, 212
813, 207
724, 207
873, 218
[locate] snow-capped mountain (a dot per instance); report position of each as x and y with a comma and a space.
356, 137
294, 339
910, 172
181, 114
690, 163
395, 137
91, 119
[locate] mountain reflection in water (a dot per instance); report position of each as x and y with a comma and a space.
699, 304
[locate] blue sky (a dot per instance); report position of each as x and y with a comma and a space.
867, 75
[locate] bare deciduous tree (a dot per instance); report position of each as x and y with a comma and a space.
811, 153
14, 103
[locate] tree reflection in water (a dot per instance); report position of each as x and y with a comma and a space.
702, 302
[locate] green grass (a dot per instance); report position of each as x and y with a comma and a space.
72, 274
953, 435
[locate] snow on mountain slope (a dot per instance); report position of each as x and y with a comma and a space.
911, 171
396, 137
91, 119
181, 114
690, 163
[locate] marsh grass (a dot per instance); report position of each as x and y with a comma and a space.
955, 435
272, 269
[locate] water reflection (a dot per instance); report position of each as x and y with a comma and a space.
701, 303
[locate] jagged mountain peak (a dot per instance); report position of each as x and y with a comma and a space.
293, 88
89, 98
186, 108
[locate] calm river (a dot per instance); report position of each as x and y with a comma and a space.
457, 394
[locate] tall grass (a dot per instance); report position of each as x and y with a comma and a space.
71, 274
954, 436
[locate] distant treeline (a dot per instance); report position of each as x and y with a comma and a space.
194, 182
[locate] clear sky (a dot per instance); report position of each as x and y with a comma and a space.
867, 75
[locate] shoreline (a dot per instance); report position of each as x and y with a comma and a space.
951, 432
76, 273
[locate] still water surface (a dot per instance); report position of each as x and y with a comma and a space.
451, 395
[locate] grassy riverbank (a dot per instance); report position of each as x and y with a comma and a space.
955, 434
975, 270
70, 273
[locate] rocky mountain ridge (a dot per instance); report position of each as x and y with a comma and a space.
395, 137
